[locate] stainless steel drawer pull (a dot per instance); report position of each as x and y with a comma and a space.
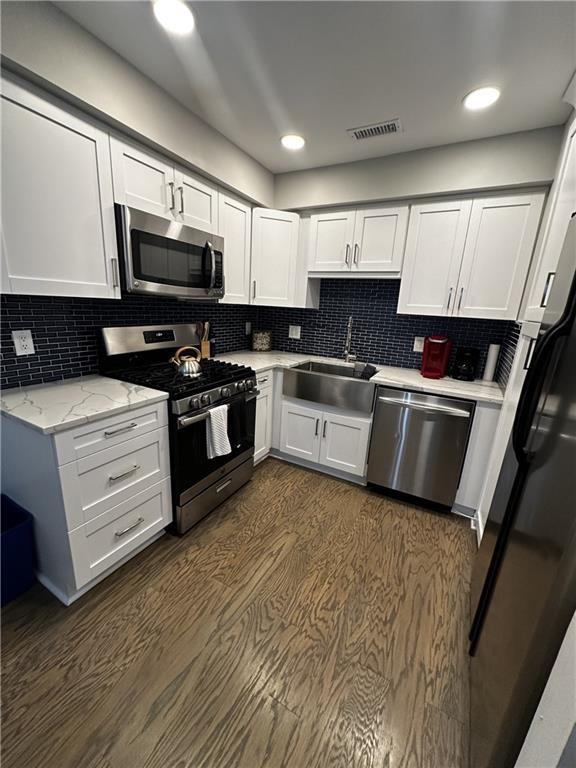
123, 532
224, 485
347, 255
423, 407
263, 381
253, 289
181, 189
547, 287
356, 249
130, 471
460, 299
127, 428
449, 297
172, 196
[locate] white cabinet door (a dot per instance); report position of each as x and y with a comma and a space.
263, 427
235, 219
331, 238
274, 257
142, 181
497, 255
300, 431
57, 204
379, 239
196, 202
344, 443
560, 207
434, 248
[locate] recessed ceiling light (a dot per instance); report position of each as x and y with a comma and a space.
175, 16
292, 141
481, 98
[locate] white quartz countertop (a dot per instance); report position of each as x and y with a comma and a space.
407, 378
65, 404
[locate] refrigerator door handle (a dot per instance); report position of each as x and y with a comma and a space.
536, 375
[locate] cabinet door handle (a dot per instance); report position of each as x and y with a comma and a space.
547, 287
460, 299
112, 432
317, 426
528, 359
324, 429
124, 531
172, 196
449, 297
356, 252
347, 255
181, 190
129, 471
115, 275
253, 289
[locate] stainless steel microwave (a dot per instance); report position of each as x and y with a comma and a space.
167, 258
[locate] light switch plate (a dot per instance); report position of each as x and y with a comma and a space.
294, 331
23, 342
248, 329
418, 344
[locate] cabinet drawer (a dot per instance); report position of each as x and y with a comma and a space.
98, 435
264, 380
94, 484
99, 544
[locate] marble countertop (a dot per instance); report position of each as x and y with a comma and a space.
407, 378
64, 404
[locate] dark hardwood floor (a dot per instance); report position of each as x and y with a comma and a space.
306, 623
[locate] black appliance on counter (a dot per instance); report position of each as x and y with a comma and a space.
524, 580
141, 355
466, 361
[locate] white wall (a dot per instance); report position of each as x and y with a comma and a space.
514, 160
556, 714
43, 44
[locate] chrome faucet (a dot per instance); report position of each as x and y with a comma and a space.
349, 357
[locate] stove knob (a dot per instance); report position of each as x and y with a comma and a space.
225, 392
205, 399
250, 384
241, 386
194, 402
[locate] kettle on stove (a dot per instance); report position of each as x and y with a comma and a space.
187, 365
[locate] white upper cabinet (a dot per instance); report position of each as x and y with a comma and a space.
560, 207
379, 238
331, 237
434, 248
146, 182
196, 202
236, 228
469, 258
142, 181
57, 203
274, 257
358, 240
497, 255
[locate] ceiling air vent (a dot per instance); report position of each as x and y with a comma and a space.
377, 129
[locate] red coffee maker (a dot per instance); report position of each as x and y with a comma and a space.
435, 356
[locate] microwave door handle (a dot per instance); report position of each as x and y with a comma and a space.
210, 250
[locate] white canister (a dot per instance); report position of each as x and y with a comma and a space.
491, 361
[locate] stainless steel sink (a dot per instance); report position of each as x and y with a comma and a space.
344, 385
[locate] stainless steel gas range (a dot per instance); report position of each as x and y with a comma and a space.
141, 355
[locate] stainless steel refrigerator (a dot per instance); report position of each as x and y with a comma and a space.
524, 580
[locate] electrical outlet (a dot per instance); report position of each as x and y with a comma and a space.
418, 344
294, 331
248, 330
23, 342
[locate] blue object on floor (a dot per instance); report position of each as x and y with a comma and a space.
17, 550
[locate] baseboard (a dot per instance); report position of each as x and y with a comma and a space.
69, 599
317, 467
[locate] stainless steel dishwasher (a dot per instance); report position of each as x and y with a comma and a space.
418, 443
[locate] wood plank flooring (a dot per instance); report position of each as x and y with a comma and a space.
307, 623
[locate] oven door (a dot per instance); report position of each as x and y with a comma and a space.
192, 470
166, 257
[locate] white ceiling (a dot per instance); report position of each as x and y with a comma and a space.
257, 70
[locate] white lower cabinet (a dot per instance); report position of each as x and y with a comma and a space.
98, 492
328, 438
264, 412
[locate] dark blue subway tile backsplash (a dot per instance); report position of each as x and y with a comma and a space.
65, 331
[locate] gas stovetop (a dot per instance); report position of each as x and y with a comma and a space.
165, 376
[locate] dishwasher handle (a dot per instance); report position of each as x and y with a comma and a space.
423, 407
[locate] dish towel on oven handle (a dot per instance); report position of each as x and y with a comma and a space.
217, 441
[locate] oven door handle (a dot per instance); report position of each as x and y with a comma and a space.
186, 421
